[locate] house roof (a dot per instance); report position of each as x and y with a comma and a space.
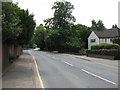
108, 33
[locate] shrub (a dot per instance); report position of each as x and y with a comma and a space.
109, 52
117, 56
116, 40
87, 52
105, 46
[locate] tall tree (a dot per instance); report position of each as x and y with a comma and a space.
18, 25
28, 24
63, 17
40, 34
82, 32
97, 25
10, 22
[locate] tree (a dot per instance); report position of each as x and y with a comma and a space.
63, 18
18, 25
10, 22
53, 39
40, 34
82, 32
28, 24
97, 25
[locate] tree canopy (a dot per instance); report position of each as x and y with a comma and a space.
18, 25
60, 32
63, 17
97, 25
10, 22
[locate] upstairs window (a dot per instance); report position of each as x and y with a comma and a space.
93, 40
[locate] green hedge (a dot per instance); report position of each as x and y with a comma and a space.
109, 52
116, 40
105, 46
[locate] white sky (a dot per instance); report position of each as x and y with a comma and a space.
84, 12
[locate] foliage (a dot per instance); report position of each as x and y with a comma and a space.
74, 42
62, 16
18, 25
81, 32
53, 40
28, 24
105, 46
104, 51
116, 40
40, 33
60, 33
109, 52
97, 25
10, 21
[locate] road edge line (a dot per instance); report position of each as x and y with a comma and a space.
41, 82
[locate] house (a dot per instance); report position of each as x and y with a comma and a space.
103, 36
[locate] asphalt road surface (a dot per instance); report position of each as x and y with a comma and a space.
60, 71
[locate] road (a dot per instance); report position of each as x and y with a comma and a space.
62, 71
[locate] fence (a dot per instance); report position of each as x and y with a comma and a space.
9, 51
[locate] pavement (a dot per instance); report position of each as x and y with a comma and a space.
21, 74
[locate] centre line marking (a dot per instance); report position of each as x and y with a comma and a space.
99, 77
67, 63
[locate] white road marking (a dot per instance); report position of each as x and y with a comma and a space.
98, 77
67, 63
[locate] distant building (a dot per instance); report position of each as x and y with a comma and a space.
103, 36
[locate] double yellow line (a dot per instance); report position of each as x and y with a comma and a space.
38, 73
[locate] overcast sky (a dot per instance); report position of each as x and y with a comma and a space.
84, 12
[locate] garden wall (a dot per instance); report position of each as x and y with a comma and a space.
9, 51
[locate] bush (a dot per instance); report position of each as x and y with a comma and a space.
116, 40
117, 56
105, 46
109, 52
83, 52
87, 52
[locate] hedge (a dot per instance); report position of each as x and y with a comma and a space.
109, 52
116, 40
105, 46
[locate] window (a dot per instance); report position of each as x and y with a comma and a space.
92, 40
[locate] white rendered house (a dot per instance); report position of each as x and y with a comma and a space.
103, 36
